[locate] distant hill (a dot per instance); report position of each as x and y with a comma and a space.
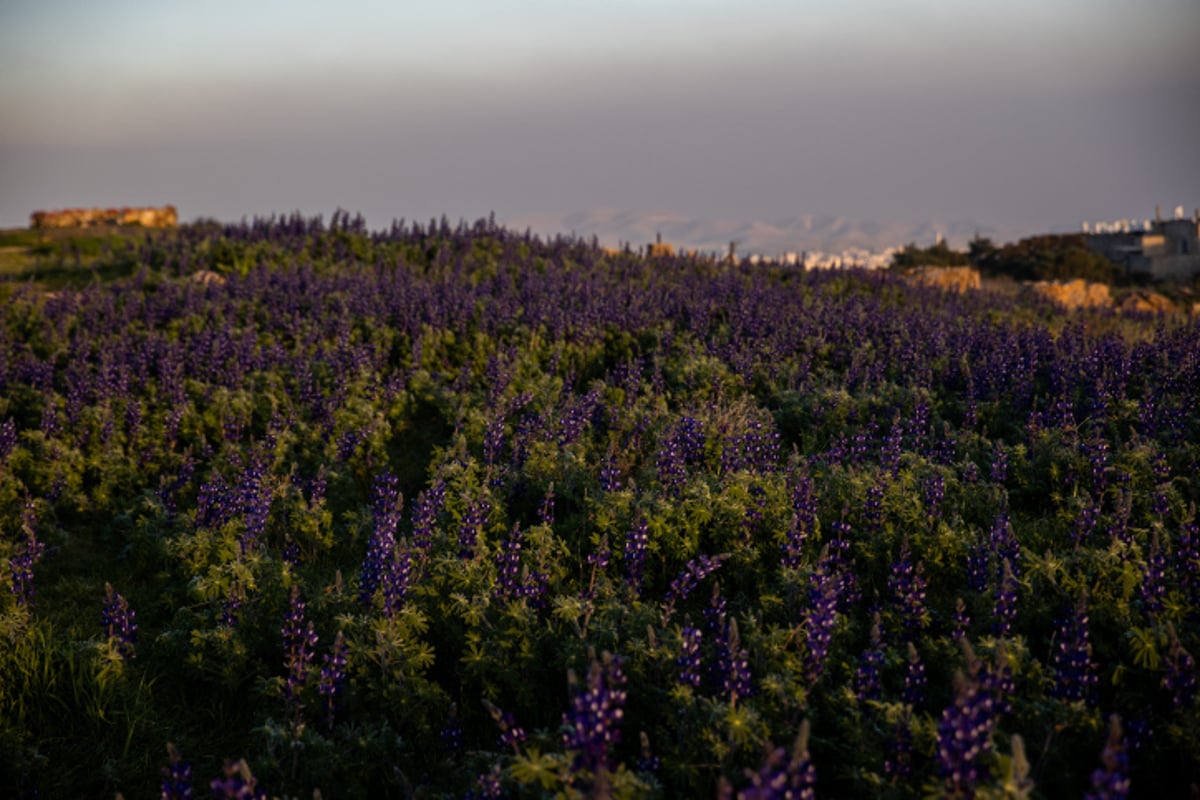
799, 233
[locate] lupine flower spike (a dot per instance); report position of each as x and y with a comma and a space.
1110, 781
119, 621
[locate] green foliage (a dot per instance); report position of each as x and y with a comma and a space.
938, 254
1043, 258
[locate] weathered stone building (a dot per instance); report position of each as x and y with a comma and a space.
1161, 249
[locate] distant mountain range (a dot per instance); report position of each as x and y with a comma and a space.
806, 232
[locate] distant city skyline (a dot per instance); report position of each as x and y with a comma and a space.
1021, 116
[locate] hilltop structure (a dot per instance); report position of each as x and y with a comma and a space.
1160, 249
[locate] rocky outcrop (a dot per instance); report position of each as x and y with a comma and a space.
1074, 294
146, 217
953, 279
206, 277
1145, 302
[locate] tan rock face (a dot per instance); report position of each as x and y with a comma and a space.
205, 277
161, 217
955, 279
1147, 303
1074, 294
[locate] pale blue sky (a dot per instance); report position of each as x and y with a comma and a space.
1024, 115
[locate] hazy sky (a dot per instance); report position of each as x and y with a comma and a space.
1022, 114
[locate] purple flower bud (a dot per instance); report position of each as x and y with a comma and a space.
176, 777
784, 776
689, 662
119, 622
1110, 781
333, 677
299, 643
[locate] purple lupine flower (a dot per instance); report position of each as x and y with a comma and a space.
316, 487
119, 622
395, 580
999, 470
804, 518
897, 764
1085, 524
735, 681
686, 581
470, 526
511, 734
591, 726
866, 674
1154, 578
647, 761
610, 474
1180, 678
425, 513
299, 643
215, 503
935, 493
689, 656
978, 558
451, 735
598, 561
683, 445
961, 620
964, 737
232, 605
1005, 610
254, 500
915, 679
636, 541
1004, 543
907, 585
997, 679
835, 560
892, 448
873, 506
1110, 781
333, 677
381, 546
1187, 560
784, 776
1074, 671
489, 785
546, 509
238, 783
508, 565
8, 437
822, 617
27, 554
176, 777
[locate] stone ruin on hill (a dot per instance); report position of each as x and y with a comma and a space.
146, 217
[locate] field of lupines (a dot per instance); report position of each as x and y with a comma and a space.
455, 512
